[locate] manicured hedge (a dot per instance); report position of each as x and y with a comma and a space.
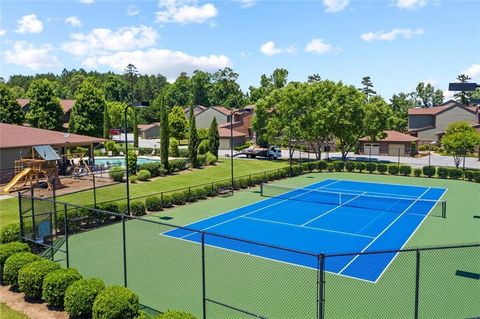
393, 169
117, 173
30, 277
371, 167
330, 167
177, 165
116, 302
360, 166
143, 175
155, 168
455, 173
338, 166
382, 168
9, 233
153, 203
442, 172
56, 283
322, 165
80, 296
137, 208
350, 166
175, 314
210, 158
429, 171
7, 250
13, 265
405, 170
201, 160
417, 172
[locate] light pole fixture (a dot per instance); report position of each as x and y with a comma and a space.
463, 86
135, 105
232, 112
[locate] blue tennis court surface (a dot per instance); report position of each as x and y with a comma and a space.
332, 216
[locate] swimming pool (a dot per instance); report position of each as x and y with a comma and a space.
120, 161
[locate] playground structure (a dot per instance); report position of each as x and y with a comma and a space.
40, 167
80, 165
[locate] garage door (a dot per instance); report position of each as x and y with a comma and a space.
394, 149
372, 149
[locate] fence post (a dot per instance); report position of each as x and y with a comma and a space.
65, 221
94, 192
55, 208
321, 287
20, 214
417, 283
204, 293
33, 213
398, 165
124, 252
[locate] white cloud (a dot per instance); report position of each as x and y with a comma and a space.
29, 24
74, 21
248, 3
132, 10
103, 40
432, 82
87, 1
30, 56
270, 48
391, 35
318, 46
473, 71
153, 61
2, 32
185, 11
335, 5
448, 95
411, 4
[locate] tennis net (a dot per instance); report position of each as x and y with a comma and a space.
437, 208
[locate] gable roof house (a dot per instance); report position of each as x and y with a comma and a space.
66, 105
203, 118
429, 124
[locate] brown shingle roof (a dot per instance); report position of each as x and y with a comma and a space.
143, 127
394, 136
438, 109
225, 132
23, 102
22, 136
65, 104
222, 110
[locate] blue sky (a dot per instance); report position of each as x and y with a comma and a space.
396, 42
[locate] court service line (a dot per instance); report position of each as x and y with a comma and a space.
382, 213
386, 228
331, 210
259, 209
373, 194
308, 227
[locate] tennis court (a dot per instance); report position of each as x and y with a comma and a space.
330, 217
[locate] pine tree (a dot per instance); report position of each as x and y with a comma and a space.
213, 138
164, 135
367, 87
463, 96
192, 140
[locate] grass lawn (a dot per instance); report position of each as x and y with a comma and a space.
166, 272
9, 207
8, 313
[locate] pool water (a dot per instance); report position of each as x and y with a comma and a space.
120, 161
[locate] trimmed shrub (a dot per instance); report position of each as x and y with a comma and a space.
177, 165
116, 302
153, 203
423, 148
429, 170
117, 173
166, 201
393, 169
455, 173
338, 166
350, 166
137, 208
143, 175
476, 177
7, 250
242, 183
30, 277
132, 159
371, 167
10, 233
56, 283
178, 198
330, 167
203, 147
322, 165
360, 166
122, 208
201, 161
109, 207
417, 172
405, 170
173, 148
155, 168
133, 179
183, 152
442, 172
470, 175
175, 314
211, 191
210, 158
382, 168
13, 265
80, 296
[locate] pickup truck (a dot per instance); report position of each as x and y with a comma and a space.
271, 152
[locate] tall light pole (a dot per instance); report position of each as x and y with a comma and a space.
429, 150
137, 105
232, 112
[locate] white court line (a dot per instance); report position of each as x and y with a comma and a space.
391, 184
261, 208
386, 228
373, 194
381, 214
308, 227
411, 235
331, 210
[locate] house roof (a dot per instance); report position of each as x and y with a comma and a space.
225, 132
12, 136
65, 104
440, 108
394, 136
144, 127
222, 110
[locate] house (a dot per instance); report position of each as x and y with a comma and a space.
196, 110
17, 141
66, 105
204, 115
429, 124
393, 144
226, 136
151, 130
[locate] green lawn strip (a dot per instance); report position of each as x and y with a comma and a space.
166, 272
8, 313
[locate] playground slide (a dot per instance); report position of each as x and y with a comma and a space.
16, 179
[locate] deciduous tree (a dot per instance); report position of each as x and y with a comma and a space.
45, 110
178, 123
87, 113
460, 139
10, 111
